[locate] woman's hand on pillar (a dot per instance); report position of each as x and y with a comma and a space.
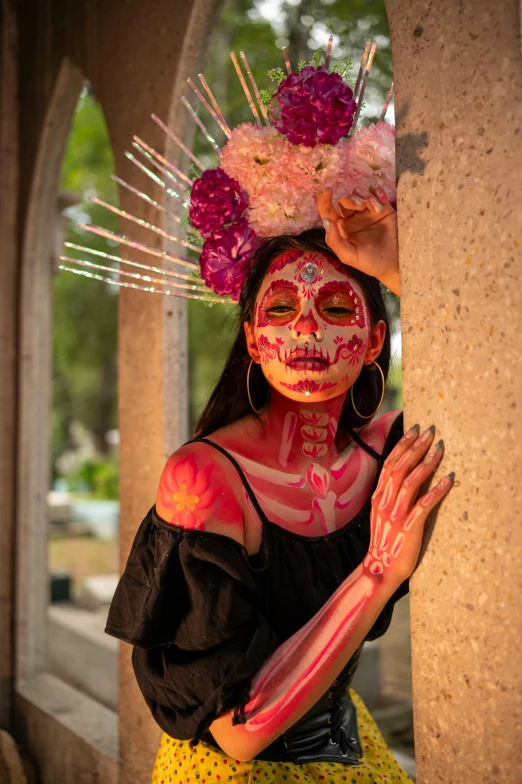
398, 512
363, 233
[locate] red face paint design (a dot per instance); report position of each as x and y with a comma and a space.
313, 433
339, 304
311, 320
268, 350
278, 304
308, 387
286, 258
314, 451
310, 270
306, 324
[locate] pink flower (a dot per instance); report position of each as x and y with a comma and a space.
282, 180
370, 158
224, 258
216, 200
312, 107
188, 493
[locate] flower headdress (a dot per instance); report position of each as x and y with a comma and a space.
269, 174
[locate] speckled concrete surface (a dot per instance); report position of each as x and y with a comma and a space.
395, 655
458, 77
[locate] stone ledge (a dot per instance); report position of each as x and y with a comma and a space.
82, 654
96, 725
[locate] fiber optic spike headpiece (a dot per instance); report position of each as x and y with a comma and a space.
269, 172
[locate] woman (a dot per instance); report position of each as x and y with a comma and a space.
282, 536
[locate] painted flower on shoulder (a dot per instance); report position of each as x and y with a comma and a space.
188, 493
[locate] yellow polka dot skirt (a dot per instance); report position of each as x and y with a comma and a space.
178, 762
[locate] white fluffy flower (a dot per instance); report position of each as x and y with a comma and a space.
282, 180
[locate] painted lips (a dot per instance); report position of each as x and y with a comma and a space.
307, 359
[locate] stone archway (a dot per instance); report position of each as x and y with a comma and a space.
35, 373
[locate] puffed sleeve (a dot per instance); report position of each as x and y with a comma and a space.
189, 605
383, 621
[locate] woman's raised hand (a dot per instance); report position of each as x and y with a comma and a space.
398, 515
363, 234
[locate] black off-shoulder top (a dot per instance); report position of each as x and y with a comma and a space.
203, 616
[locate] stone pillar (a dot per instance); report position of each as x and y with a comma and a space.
153, 378
458, 77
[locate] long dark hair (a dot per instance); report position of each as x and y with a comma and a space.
229, 400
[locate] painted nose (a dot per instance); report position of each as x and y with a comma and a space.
307, 325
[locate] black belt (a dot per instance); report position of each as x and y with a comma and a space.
326, 733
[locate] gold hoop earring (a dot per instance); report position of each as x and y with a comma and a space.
254, 409
382, 395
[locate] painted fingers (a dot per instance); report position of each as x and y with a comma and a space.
398, 515
393, 458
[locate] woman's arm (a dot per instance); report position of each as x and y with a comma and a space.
299, 672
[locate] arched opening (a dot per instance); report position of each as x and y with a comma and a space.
83, 496
46, 706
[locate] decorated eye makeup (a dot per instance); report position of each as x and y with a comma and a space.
279, 304
338, 303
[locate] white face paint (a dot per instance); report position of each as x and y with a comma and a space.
311, 326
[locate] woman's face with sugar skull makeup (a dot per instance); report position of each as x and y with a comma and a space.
311, 327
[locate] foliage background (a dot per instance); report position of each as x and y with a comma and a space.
85, 313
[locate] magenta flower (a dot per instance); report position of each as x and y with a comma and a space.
224, 258
215, 201
313, 107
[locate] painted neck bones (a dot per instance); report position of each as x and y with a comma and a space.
311, 327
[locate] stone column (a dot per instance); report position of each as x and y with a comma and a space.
170, 39
458, 77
